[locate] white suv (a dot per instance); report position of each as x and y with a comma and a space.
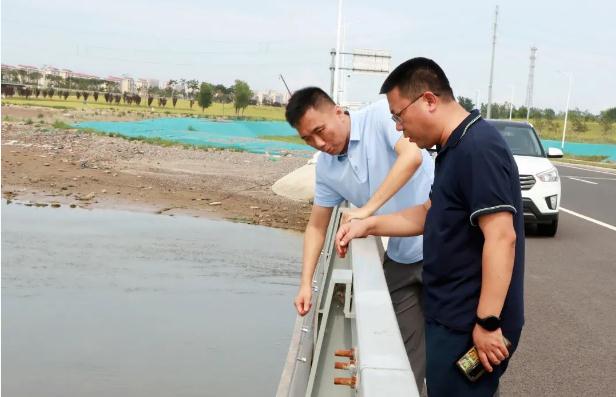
539, 178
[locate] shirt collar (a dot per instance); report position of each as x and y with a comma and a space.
354, 136
458, 133
355, 133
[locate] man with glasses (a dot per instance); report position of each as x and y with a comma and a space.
473, 228
365, 161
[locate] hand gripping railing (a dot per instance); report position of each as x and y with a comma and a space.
372, 360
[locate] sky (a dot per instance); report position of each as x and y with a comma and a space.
257, 40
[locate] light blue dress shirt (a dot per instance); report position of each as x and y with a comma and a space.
356, 176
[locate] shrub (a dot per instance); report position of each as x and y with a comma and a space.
60, 125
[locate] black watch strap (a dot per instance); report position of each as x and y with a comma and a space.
490, 323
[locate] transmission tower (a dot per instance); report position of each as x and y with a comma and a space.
531, 79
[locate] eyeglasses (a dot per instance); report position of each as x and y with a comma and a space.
396, 117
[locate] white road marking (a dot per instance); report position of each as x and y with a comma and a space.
589, 219
585, 169
582, 180
594, 178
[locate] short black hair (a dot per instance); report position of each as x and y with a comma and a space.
304, 99
417, 75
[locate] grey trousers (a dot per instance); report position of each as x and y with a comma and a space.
405, 287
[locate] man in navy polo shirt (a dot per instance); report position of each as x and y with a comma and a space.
473, 229
365, 161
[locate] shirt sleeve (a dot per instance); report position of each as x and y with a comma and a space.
391, 134
324, 195
388, 128
490, 187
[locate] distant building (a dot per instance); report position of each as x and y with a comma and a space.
141, 86
65, 73
153, 83
5, 73
28, 68
127, 85
112, 81
49, 73
6, 68
271, 97
48, 70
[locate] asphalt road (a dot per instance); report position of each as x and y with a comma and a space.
568, 345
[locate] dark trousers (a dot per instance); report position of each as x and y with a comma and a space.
405, 288
444, 347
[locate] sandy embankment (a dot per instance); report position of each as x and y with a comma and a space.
46, 166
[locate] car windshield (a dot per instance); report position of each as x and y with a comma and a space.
522, 140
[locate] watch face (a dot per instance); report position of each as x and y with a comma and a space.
490, 323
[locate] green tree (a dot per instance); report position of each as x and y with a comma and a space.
192, 87
606, 125
520, 113
242, 95
22, 75
606, 118
34, 77
578, 122
13, 76
466, 103
206, 94
170, 88
609, 115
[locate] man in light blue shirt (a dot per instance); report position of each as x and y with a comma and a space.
365, 161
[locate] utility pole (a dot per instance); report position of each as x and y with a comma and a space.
341, 81
334, 92
562, 144
531, 79
489, 113
511, 103
477, 104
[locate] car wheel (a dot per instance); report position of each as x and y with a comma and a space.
548, 229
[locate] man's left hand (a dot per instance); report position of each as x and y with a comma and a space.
490, 346
349, 214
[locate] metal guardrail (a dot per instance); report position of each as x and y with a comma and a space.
383, 365
352, 317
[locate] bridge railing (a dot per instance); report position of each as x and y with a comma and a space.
352, 316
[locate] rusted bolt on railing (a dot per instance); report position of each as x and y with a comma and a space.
350, 353
352, 381
342, 365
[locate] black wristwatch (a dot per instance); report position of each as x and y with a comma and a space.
490, 323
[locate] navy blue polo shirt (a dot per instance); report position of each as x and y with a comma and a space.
475, 174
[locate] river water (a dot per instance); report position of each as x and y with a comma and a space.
101, 303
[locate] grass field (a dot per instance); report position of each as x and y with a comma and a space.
182, 107
587, 160
284, 138
594, 134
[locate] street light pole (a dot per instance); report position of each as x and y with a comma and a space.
336, 74
477, 105
511, 103
562, 144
